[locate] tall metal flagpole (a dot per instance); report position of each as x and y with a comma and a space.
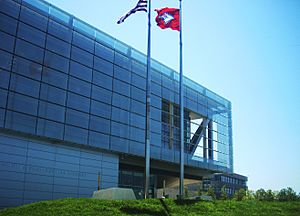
181, 183
148, 93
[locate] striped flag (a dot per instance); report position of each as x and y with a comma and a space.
140, 6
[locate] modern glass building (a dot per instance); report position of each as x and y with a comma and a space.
72, 106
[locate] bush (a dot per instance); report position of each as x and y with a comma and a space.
260, 194
270, 195
224, 195
211, 192
287, 194
240, 194
249, 195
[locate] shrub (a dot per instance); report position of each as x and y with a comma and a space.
249, 195
287, 194
240, 194
224, 195
211, 192
260, 194
269, 196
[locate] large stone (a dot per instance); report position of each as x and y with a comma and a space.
115, 194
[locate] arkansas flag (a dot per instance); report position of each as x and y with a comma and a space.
168, 18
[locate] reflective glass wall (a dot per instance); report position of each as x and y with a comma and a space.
63, 79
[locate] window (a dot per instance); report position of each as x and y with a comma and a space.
78, 102
55, 78
83, 42
155, 89
27, 68
102, 80
137, 134
99, 124
98, 140
59, 31
81, 71
120, 130
119, 144
100, 109
52, 94
138, 107
122, 74
58, 46
79, 86
82, 56
6, 42
3, 98
137, 120
101, 94
4, 79
103, 66
122, 61
75, 134
76, 118
120, 115
57, 62
10, 8
20, 122
138, 94
34, 19
31, 34
104, 52
139, 69
51, 111
29, 51
50, 129
138, 81
24, 85
8, 24
121, 101
121, 87
5, 60
22, 103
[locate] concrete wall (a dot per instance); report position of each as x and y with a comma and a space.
33, 170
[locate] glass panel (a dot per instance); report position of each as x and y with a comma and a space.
51, 111
79, 87
21, 103
119, 129
102, 80
34, 19
122, 61
6, 42
58, 46
4, 79
121, 101
3, 98
137, 120
101, 109
119, 144
138, 107
121, 88
8, 24
57, 62
121, 47
20, 122
138, 56
5, 60
82, 56
78, 102
55, 78
138, 81
31, 34
24, 85
120, 115
52, 94
137, 134
83, 42
103, 66
29, 51
84, 28
59, 31
10, 8
75, 134
104, 52
76, 118
50, 129
59, 15
105, 38
99, 124
101, 94
98, 140
138, 94
27, 68
80, 71
122, 74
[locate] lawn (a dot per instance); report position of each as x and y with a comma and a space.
155, 207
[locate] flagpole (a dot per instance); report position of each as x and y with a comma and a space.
181, 183
148, 100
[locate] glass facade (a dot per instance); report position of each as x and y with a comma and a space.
63, 79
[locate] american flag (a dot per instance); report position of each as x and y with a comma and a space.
140, 6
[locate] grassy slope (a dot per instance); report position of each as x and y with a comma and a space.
154, 207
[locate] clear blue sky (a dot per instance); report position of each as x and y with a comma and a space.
246, 51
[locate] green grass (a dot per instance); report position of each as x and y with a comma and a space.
155, 207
